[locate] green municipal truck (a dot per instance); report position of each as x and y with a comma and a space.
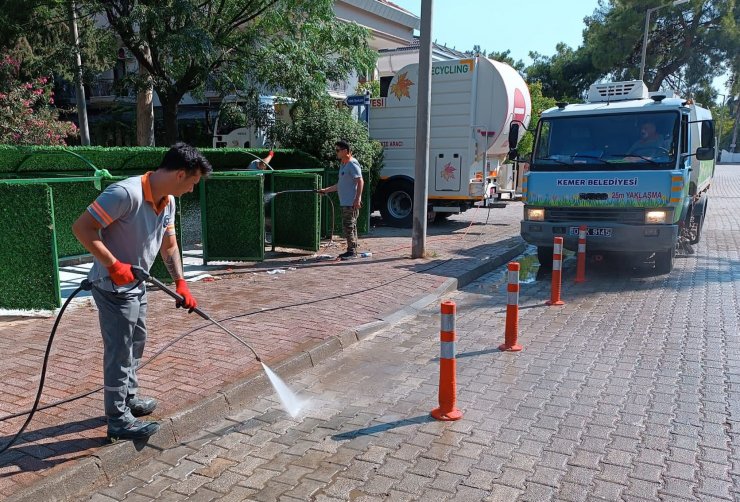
633, 166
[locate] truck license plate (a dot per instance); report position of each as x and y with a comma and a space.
593, 231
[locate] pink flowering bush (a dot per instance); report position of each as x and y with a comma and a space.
26, 117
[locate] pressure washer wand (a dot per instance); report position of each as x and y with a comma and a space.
142, 275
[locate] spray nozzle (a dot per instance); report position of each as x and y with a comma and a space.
140, 273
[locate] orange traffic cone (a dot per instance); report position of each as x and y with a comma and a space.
512, 311
447, 410
557, 271
581, 263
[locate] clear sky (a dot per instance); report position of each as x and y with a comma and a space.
520, 26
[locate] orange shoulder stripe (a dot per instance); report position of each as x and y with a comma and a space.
101, 212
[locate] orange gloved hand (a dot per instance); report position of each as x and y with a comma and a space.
183, 290
120, 273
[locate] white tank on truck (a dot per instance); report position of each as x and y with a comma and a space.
474, 101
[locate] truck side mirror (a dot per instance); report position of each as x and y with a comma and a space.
707, 135
705, 153
513, 135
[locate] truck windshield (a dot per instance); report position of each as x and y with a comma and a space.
607, 142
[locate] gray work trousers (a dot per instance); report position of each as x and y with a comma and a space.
123, 326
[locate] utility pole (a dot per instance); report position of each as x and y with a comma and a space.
647, 30
423, 103
145, 107
81, 105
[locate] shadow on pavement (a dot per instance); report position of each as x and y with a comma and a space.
375, 429
41, 456
473, 353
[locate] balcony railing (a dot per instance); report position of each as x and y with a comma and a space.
101, 89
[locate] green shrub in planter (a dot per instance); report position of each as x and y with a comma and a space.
296, 216
70, 200
29, 273
27, 161
232, 212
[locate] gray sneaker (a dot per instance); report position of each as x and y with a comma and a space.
141, 406
137, 429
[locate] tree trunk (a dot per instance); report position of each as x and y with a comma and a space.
733, 143
169, 112
145, 109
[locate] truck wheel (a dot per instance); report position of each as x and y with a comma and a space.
397, 208
699, 216
544, 255
441, 217
664, 261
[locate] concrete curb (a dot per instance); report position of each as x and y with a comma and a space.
113, 460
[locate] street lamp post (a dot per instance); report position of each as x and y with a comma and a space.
721, 119
647, 29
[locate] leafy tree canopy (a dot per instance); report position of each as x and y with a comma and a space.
245, 46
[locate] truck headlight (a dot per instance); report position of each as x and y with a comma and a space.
658, 216
534, 214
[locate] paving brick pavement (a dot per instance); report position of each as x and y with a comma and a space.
628, 392
199, 367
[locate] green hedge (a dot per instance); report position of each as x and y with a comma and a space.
70, 200
25, 161
296, 216
331, 176
232, 216
29, 274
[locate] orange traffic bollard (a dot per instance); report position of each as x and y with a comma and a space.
557, 270
447, 410
512, 311
581, 263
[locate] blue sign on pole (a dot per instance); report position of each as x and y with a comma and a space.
356, 100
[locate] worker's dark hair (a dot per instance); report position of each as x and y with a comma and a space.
186, 157
343, 145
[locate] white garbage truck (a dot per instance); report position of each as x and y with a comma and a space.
474, 101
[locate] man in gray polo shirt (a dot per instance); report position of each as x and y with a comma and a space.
127, 225
350, 187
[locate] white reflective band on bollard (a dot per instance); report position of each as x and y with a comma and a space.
581, 248
447, 350
513, 298
558, 249
513, 277
448, 322
557, 265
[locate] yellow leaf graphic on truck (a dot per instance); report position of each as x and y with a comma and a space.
401, 88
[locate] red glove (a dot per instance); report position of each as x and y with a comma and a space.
183, 290
121, 273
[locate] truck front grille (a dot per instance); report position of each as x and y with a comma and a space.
628, 216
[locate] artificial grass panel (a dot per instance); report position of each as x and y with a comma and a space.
23, 161
70, 200
29, 273
233, 217
296, 216
331, 176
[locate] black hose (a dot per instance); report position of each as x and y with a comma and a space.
85, 285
